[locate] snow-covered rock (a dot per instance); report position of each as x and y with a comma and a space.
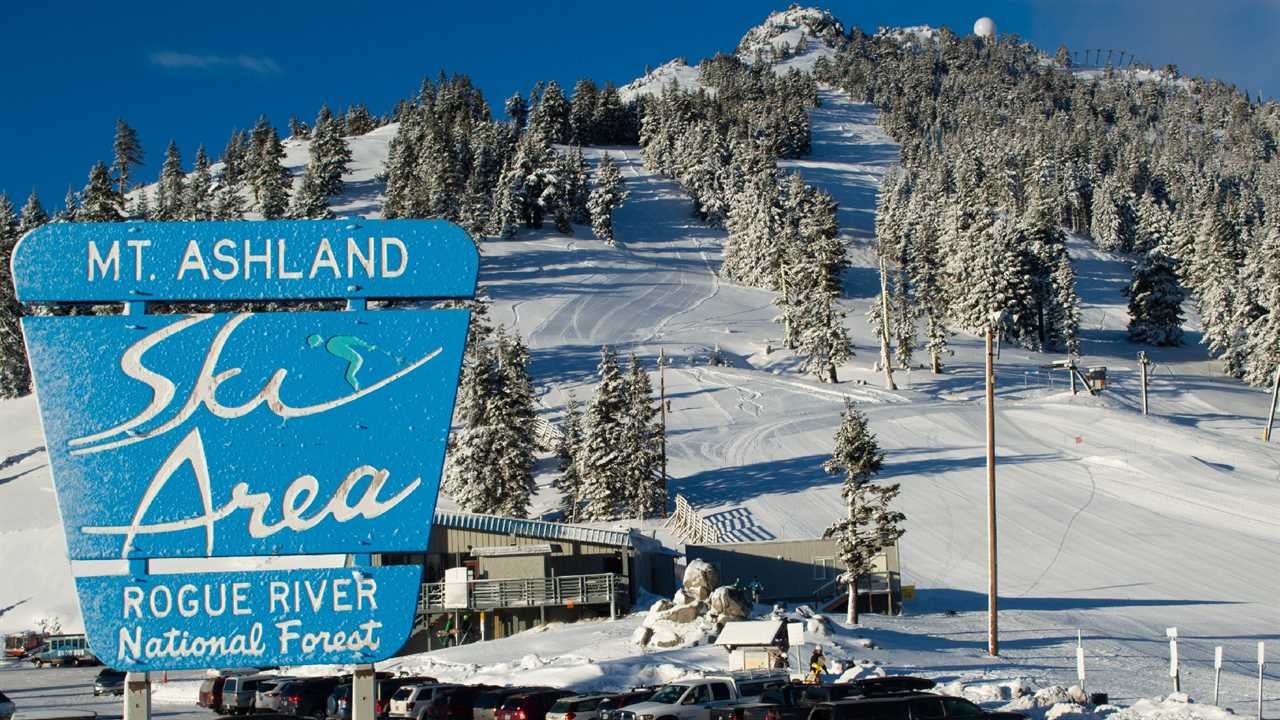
700, 579
729, 602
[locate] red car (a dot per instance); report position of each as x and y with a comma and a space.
530, 705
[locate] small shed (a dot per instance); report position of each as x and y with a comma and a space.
755, 644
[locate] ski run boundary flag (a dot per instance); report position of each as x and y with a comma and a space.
206, 421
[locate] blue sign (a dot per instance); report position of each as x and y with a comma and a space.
250, 433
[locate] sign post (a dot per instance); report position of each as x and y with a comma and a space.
137, 696
1080, 660
248, 433
1217, 672
1172, 634
1262, 667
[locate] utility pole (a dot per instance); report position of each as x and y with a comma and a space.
993, 631
1144, 362
884, 329
1275, 394
662, 410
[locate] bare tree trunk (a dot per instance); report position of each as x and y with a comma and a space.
884, 330
851, 612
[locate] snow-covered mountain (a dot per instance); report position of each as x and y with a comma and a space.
1113, 523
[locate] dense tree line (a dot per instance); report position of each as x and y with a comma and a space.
1001, 146
722, 144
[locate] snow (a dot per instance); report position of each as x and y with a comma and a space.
651, 83
1111, 523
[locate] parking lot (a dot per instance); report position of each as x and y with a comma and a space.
72, 688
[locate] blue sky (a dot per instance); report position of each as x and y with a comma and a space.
194, 71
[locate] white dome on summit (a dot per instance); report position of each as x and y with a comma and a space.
984, 27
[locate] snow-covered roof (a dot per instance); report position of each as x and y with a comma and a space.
540, 529
750, 632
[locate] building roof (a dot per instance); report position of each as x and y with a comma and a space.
750, 632
539, 529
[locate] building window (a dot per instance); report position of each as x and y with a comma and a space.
823, 568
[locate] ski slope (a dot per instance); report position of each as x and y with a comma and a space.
1112, 523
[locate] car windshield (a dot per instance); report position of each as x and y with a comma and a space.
403, 693
668, 694
561, 706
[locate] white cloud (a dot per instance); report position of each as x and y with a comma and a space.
259, 64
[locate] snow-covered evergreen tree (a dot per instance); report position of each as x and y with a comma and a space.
199, 200
869, 524
70, 206
267, 174
15, 378
33, 214
517, 110
514, 446
99, 201
127, 151
1155, 300
568, 451
604, 490
171, 191
550, 116
607, 196
641, 459
328, 153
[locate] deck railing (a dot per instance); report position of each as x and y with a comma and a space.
566, 590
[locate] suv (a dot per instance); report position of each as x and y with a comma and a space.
794, 701
610, 706
412, 701
907, 706
211, 693
109, 682
455, 702
487, 703
532, 705
577, 707
268, 695
240, 693
305, 697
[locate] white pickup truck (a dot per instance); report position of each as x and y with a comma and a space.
693, 699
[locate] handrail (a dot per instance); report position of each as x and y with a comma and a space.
691, 526
529, 592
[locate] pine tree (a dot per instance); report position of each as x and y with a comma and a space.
642, 456
604, 492
869, 524
358, 120
99, 201
267, 174
583, 113
228, 204
70, 207
607, 195
517, 110
515, 446
128, 154
198, 203
568, 451
1155, 300
577, 185
550, 116
171, 190
15, 377
329, 154
33, 214
471, 478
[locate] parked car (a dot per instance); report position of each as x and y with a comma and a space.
387, 687
487, 703
240, 694
268, 696
794, 701
412, 701
694, 699
210, 695
531, 705
610, 706
455, 702
109, 682
7, 708
305, 697
907, 706
577, 707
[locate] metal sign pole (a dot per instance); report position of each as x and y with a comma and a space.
1217, 672
993, 630
1262, 666
137, 696
362, 693
1172, 634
